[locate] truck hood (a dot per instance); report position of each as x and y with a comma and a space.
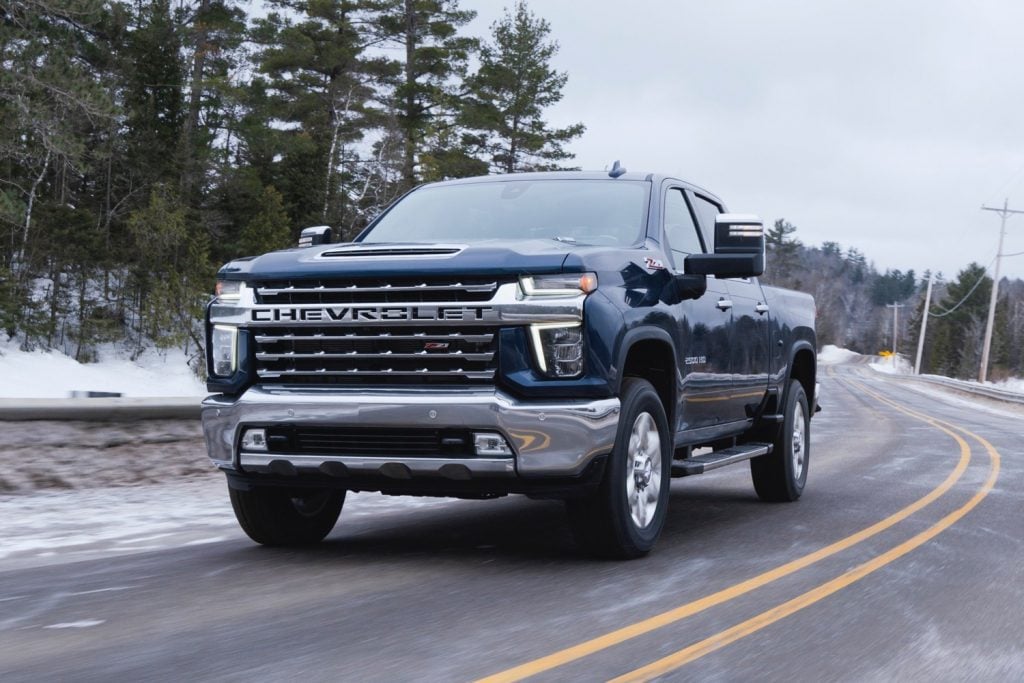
493, 257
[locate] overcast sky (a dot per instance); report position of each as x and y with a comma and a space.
879, 125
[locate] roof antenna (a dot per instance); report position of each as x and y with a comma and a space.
617, 170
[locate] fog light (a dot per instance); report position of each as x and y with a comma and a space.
254, 440
489, 443
223, 345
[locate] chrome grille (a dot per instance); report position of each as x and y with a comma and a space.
407, 290
353, 355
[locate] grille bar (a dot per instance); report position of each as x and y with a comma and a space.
487, 287
420, 336
356, 372
356, 355
407, 290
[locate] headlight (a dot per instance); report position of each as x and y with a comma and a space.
574, 284
223, 350
558, 348
229, 290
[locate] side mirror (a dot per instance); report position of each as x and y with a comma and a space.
320, 234
739, 248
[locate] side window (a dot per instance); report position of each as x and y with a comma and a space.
706, 210
679, 227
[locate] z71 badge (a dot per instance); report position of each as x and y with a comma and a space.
654, 264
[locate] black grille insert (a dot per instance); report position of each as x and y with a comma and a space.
370, 441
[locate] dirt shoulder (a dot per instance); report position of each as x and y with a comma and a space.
54, 455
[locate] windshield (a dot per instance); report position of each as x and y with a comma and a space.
599, 212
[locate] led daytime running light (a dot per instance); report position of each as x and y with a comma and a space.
229, 290
558, 285
538, 342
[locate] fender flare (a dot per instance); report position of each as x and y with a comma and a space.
641, 334
798, 346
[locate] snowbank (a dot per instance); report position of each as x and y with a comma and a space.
51, 374
901, 367
832, 355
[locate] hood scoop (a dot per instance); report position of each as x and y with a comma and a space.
391, 252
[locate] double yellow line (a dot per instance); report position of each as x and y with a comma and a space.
745, 628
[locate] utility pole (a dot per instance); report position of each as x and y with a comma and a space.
924, 323
895, 322
987, 346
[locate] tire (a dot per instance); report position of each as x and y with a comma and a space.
625, 517
279, 517
780, 476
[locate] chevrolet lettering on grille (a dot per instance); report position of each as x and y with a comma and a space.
374, 313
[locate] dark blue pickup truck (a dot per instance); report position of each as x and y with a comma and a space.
581, 336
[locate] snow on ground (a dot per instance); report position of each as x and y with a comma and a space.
894, 365
51, 374
65, 526
832, 355
1009, 410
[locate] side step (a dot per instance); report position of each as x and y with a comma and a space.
712, 461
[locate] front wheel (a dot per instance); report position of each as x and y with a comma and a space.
781, 475
625, 517
277, 516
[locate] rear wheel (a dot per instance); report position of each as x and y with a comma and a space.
277, 516
625, 517
781, 475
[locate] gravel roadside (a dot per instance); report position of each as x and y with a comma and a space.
58, 455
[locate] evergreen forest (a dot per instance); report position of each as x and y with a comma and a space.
145, 142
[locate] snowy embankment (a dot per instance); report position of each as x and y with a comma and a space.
51, 374
899, 365
833, 355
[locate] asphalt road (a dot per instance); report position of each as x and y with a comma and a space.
904, 560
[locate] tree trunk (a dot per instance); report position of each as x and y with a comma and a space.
409, 157
28, 209
195, 100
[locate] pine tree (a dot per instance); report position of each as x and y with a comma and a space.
510, 91
153, 98
782, 248
314, 95
956, 351
170, 274
426, 85
269, 228
213, 35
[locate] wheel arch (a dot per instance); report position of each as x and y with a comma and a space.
649, 353
803, 367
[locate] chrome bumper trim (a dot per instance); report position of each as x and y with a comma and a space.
549, 438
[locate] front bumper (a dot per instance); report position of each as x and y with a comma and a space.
550, 439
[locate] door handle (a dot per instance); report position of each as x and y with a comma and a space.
723, 304
761, 308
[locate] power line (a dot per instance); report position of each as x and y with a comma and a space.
966, 296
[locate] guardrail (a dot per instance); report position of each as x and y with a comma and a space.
99, 409
969, 388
